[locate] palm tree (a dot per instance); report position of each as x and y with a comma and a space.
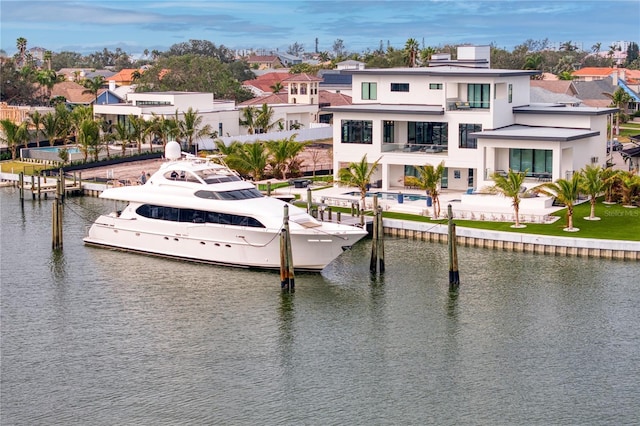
358, 174
411, 49
93, 86
47, 58
510, 186
21, 45
252, 158
230, 152
566, 76
276, 87
619, 99
164, 128
283, 152
533, 62
51, 127
263, 118
88, 138
592, 185
13, 135
122, 133
429, 178
609, 178
106, 135
248, 119
36, 119
138, 128
565, 191
191, 127
629, 182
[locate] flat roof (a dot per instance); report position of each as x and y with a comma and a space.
536, 133
446, 71
394, 108
559, 109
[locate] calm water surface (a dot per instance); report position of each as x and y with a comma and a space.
91, 336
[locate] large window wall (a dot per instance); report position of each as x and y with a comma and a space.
357, 131
478, 95
428, 133
534, 161
465, 140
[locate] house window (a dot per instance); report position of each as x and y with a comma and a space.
303, 89
399, 87
369, 91
427, 133
510, 93
531, 160
478, 95
435, 86
465, 140
356, 131
388, 128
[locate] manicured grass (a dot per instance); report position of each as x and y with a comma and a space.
29, 169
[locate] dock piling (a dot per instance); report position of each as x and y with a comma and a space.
454, 275
287, 276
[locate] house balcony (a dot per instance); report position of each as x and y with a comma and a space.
414, 148
458, 105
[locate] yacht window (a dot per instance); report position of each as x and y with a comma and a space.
196, 216
238, 194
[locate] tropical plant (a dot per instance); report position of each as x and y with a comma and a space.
122, 133
93, 86
609, 178
510, 186
88, 138
358, 174
51, 127
629, 183
13, 135
619, 99
565, 191
106, 135
21, 45
411, 48
283, 153
429, 178
264, 119
592, 184
164, 128
191, 127
276, 87
248, 119
139, 130
252, 158
36, 119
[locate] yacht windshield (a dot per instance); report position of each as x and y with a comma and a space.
236, 194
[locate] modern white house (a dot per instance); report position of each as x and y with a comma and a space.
475, 119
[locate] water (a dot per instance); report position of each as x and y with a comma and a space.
91, 336
56, 149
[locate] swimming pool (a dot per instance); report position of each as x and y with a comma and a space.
57, 149
390, 195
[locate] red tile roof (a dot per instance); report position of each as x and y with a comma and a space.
72, 92
594, 71
302, 77
125, 76
265, 81
565, 87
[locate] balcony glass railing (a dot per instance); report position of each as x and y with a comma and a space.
414, 148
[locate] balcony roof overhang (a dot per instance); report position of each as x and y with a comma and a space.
520, 132
559, 109
389, 109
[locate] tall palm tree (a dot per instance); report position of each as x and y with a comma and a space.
358, 174
510, 186
248, 119
164, 128
13, 135
93, 86
283, 152
139, 130
411, 48
252, 158
47, 79
191, 127
122, 133
106, 135
21, 45
230, 152
47, 58
591, 184
36, 119
565, 191
619, 99
429, 178
88, 138
533, 62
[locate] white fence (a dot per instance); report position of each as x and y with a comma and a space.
311, 134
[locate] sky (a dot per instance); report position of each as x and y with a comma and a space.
135, 25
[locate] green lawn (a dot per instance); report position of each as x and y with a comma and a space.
21, 166
617, 223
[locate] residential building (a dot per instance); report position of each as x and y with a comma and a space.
264, 61
476, 120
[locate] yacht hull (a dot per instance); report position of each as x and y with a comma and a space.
312, 248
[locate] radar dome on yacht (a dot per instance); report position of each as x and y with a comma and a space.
172, 151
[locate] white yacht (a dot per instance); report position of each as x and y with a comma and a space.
200, 210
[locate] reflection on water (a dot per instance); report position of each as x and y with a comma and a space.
93, 336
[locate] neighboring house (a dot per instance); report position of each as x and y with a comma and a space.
477, 120
264, 62
593, 73
540, 95
350, 64
125, 76
79, 74
73, 92
288, 60
222, 116
563, 87
261, 85
335, 81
